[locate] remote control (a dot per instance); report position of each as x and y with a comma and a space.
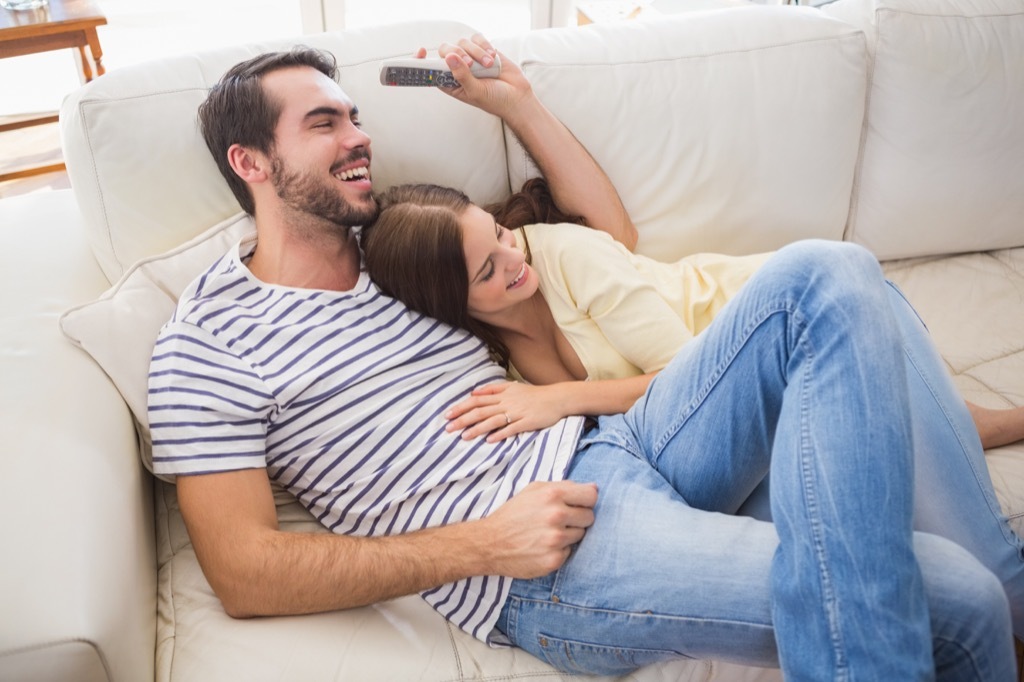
413, 72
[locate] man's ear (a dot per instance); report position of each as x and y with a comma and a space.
247, 164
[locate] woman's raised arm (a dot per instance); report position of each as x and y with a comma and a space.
578, 184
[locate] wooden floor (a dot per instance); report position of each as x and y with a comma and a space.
35, 146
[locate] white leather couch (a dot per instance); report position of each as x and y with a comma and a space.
896, 124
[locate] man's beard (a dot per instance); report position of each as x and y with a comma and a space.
310, 194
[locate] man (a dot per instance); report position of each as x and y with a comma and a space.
283, 362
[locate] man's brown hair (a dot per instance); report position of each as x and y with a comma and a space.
237, 110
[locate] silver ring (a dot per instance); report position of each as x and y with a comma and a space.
507, 420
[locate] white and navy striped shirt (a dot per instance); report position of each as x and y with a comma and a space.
340, 396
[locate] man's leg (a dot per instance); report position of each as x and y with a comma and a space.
803, 373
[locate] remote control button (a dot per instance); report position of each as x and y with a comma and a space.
415, 77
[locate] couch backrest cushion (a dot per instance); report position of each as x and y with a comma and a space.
733, 130
146, 183
942, 169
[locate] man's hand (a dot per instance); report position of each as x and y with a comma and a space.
532, 534
255, 569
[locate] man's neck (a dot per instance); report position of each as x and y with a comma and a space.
328, 261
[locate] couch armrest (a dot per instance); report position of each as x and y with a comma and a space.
78, 587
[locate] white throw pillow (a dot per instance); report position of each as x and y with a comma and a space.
119, 329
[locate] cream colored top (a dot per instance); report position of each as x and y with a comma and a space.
626, 314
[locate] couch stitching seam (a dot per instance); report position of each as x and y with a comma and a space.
58, 642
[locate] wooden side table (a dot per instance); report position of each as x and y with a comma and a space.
58, 25
604, 11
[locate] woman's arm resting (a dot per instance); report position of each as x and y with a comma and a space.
256, 569
507, 408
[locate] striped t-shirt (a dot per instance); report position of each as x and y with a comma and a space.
340, 396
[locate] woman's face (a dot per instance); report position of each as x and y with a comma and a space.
499, 276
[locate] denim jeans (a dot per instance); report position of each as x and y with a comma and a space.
803, 375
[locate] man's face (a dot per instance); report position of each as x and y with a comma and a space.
320, 164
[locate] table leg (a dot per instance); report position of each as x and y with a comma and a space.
97, 51
86, 67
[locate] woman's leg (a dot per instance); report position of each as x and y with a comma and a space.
803, 373
954, 496
655, 580
998, 427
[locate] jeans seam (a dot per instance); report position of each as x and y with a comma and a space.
992, 504
769, 311
644, 614
513, 606
966, 653
829, 604
556, 583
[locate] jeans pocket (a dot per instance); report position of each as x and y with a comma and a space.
596, 659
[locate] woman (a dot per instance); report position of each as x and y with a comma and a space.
578, 306
441, 255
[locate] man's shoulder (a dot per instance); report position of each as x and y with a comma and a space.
221, 283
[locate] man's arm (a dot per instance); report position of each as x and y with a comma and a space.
256, 569
578, 184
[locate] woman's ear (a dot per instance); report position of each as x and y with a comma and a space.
247, 164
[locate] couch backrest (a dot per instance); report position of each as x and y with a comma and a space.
942, 166
145, 181
896, 125
733, 130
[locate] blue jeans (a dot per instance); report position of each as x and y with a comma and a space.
803, 375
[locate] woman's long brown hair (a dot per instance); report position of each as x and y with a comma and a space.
413, 250
531, 205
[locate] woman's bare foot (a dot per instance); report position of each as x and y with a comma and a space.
998, 427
